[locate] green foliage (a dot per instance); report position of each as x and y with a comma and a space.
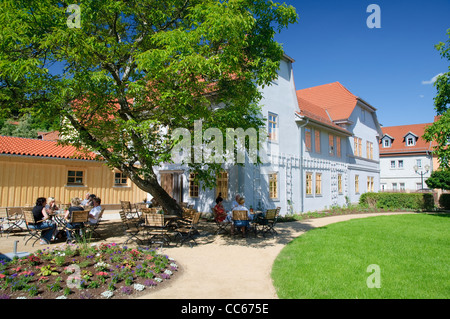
137, 66
25, 126
439, 179
439, 131
397, 201
444, 201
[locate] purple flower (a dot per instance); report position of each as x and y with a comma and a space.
126, 290
165, 276
149, 282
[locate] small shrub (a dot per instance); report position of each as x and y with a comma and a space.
397, 201
444, 201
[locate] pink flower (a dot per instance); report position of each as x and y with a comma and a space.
102, 273
43, 279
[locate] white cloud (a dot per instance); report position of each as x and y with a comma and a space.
421, 96
433, 79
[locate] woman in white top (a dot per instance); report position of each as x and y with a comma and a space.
242, 224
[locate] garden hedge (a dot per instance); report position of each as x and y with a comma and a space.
444, 201
391, 201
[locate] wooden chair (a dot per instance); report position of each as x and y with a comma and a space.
77, 216
240, 219
3, 220
156, 229
29, 222
139, 207
269, 221
185, 233
92, 228
131, 229
151, 210
188, 214
126, 208
14, 219
221, 226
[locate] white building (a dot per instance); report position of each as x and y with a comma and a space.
322, 148
406, 158
340, 136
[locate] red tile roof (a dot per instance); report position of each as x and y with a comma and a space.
398, 133
318, 114
48, 136
332, 97
34, 147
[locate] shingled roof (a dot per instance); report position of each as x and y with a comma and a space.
10, 145
397, 136
334, 98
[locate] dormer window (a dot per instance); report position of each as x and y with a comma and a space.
386, 141
410, 139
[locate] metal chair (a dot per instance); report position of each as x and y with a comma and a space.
29, 222
77, 216
185, 233
131, 229
221, 225
92, 228
128, 209
269, 221
14, 219
240, 220
156, 229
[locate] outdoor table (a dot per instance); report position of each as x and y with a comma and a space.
169, 220
58, 217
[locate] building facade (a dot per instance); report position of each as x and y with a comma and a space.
32, 168
406, 158
340, 146
320, 149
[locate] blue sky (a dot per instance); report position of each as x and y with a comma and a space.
385, 66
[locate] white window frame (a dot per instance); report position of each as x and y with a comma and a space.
273, 127
410, 141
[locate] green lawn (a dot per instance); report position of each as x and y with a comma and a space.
412, 252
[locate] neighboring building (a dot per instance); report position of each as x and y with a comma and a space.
32, 168
406, 158
340, 137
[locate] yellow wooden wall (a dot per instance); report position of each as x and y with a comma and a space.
23, 179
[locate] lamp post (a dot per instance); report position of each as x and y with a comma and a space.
421, 173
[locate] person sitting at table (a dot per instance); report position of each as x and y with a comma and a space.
91, 200
153, 203
220, 214
42, 220
75, 206
50, 207
95, 212
86, 199
219, 197
235, 202
242, 224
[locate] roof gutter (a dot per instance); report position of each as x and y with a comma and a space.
302, 118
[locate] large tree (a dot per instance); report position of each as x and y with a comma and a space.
439, 131
133, 70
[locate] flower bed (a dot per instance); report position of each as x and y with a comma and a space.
85, 272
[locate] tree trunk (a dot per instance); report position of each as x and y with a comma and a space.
151, 185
